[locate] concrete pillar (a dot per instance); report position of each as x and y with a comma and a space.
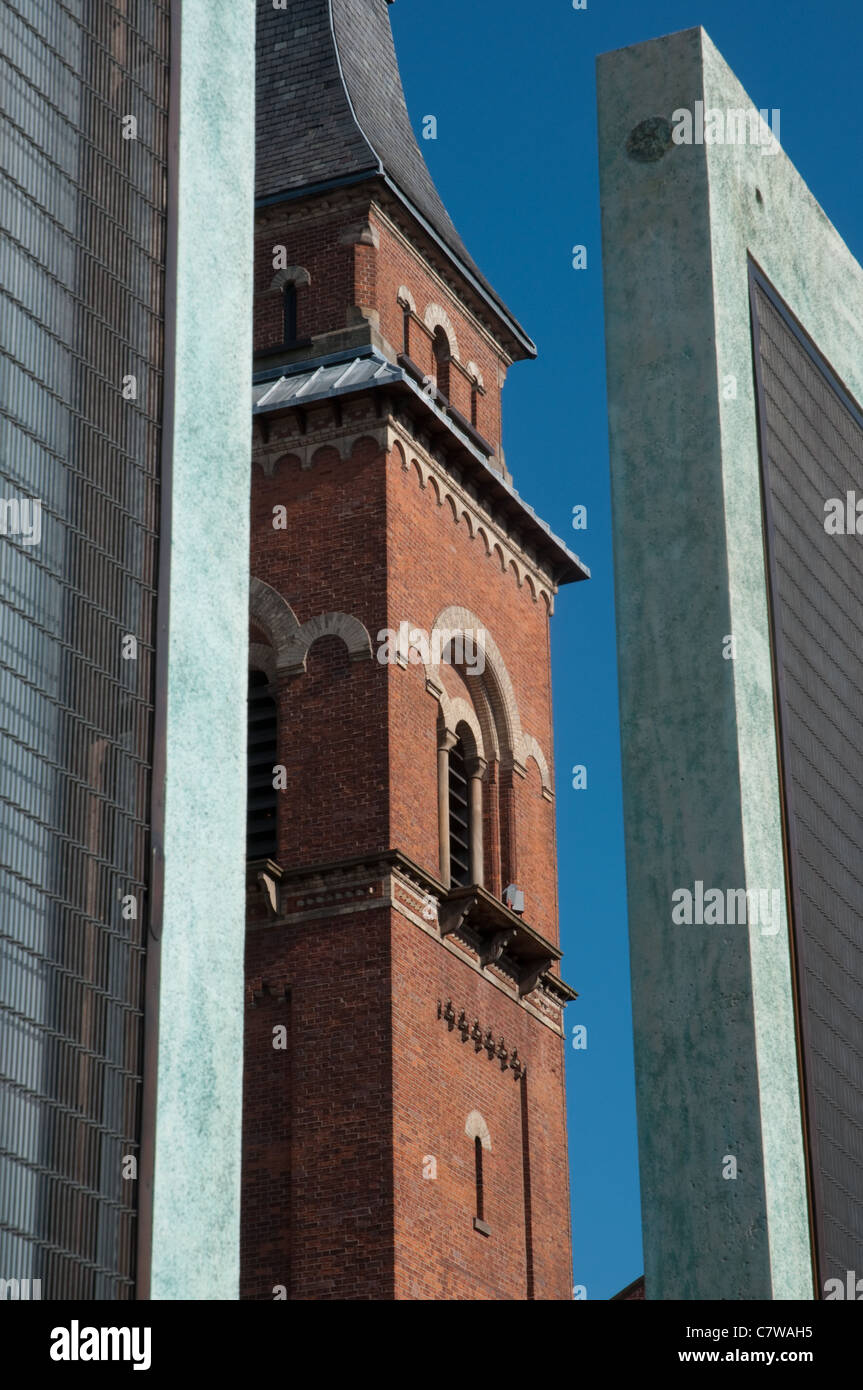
446, 741
476, 772
191, 1151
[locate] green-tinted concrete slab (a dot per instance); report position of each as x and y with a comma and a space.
196, 1184
716, 1061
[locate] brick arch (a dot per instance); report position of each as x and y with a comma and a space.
291, 275
399, 453
498, 686
342, 625
532, 749
485, 714
276, 618
476, 1128
455, 711
364, 442
263, 658
437, 317
406, 299
495, 698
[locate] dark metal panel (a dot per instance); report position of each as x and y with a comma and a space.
82, 247
812, 451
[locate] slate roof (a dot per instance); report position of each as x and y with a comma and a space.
331, 109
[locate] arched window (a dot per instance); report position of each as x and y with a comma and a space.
460, 774
262, 753
288, 282
477, 1130
480, 1195
459, 818
442, 357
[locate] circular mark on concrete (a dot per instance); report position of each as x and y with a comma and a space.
649, 140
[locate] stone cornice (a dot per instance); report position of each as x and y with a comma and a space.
465, 504
432, 471
519, 966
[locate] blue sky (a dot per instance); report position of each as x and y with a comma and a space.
513, 88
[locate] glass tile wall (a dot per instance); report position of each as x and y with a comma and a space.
83, 149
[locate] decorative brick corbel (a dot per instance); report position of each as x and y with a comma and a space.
495, 946
452, 915
361, 233
532, 974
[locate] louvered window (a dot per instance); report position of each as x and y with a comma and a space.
459, 820
261, 823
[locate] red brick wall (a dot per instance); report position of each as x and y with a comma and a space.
337, 1129
399, 264
464, 575
335, 1205
321, 1114
265, 1221
332, 720
347, 276
438, 1080
322, 306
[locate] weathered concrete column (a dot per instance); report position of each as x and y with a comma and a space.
191, 1145
723, 1154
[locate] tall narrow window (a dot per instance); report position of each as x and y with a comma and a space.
406, 332
459, 818
261, 819
477, 1130
289, 309
442, 357
474, 398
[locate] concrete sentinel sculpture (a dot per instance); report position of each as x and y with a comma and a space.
749, 1185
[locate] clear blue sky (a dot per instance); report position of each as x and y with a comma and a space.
512, 85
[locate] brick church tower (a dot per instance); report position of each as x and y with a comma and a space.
404, 1122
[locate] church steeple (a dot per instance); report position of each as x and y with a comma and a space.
404, 1128
336, 115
